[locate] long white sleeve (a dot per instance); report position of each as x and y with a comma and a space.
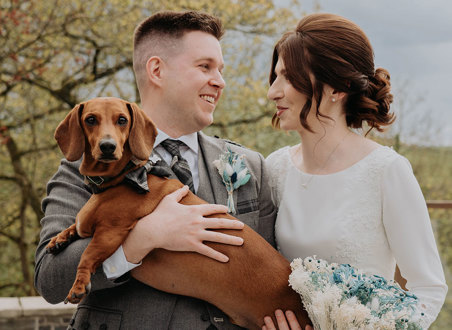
410, 236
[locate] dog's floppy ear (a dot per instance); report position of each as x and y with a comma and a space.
69, 134
142, 133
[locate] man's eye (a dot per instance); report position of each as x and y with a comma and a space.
205, 66
122, 121
91, 121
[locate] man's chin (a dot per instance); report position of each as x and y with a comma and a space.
205, 121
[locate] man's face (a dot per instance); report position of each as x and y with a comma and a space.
192, 82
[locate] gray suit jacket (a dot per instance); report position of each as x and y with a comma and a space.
126, 303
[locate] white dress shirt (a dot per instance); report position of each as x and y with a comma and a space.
117, 264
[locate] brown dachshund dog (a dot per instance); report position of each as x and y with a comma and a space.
110, 133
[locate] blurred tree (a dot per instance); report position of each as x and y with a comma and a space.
57, 53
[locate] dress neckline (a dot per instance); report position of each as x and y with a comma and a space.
362, 160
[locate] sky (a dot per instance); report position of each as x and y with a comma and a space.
412, 39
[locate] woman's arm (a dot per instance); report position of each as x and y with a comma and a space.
410, 235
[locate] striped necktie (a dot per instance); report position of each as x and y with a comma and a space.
179, 165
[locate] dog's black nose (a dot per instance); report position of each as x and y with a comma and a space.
107, 146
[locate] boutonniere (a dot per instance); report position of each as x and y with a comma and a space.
233, 172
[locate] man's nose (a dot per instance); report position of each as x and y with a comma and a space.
218, 81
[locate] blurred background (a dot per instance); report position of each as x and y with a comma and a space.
57, 53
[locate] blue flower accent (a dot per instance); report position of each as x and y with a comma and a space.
234, 173
342, 297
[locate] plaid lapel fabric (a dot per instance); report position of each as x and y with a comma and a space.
179, 165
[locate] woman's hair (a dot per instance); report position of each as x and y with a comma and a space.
336, 52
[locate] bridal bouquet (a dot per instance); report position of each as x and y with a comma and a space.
338, 296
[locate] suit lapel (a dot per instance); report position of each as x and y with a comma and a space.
210, 150
205, 190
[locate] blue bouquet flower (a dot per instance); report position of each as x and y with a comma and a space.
339, 296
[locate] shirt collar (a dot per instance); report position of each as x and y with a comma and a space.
191, 140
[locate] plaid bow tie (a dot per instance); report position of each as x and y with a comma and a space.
138, 178
179, 165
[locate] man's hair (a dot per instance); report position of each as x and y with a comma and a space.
158, 35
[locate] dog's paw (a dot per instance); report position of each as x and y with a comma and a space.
56, 247
77, 293
58, 244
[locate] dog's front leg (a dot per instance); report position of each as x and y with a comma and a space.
105, 242
59, 242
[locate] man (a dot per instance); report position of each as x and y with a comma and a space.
178, 64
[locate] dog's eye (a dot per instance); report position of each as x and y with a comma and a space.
122, 121
91, 121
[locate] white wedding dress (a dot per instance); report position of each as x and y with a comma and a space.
371, 215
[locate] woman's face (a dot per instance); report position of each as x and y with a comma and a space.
289, 101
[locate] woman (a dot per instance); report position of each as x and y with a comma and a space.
342, 196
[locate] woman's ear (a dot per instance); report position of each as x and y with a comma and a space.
69, 134
333, 95
142, 133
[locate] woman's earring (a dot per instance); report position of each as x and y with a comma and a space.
333, 99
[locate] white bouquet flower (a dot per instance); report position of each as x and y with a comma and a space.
339, 296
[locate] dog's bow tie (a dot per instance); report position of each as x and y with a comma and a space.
136, 178
139, 177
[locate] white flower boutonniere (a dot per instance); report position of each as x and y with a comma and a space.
233, 172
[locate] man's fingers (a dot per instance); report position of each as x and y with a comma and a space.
211, 253
219, 223
214, 236
179, 193
209, 209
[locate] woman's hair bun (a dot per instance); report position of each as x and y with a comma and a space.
373, 104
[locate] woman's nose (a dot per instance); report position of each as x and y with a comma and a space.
274, 92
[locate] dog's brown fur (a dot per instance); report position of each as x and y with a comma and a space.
254, 282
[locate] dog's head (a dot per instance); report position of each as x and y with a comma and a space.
109, 131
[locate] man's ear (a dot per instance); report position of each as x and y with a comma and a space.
69, 134
154, 70
142, 133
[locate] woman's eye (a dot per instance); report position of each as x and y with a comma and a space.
91, 121
122, 121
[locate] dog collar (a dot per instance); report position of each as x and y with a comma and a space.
136, 178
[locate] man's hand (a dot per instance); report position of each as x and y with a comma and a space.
287, 322
177, 227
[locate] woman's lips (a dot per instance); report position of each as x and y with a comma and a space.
280, 111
